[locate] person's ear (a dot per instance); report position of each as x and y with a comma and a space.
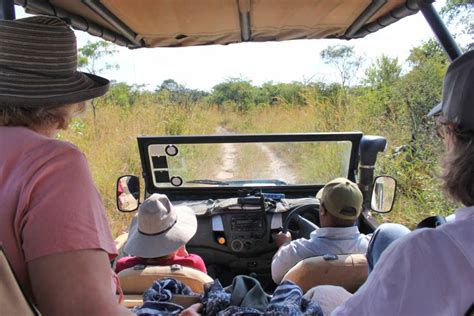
322, 210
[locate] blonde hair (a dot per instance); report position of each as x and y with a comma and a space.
39, 116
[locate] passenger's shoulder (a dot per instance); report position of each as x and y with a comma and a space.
64, 146
61, 150
431, 240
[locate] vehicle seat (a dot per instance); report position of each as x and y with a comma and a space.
137, 279
348, 271
12, 299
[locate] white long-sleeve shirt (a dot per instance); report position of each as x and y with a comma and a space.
326, 240
426, 272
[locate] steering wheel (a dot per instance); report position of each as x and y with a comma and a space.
306, 226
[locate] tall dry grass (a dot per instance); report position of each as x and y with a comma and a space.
109, 142
418, 194
110, 145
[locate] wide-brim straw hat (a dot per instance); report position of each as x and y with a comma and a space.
160, 228
38, 65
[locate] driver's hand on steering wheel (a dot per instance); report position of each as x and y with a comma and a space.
282, 238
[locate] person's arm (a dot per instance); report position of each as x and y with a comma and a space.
282, 239
74, 283
285, 258
423, 273
193, 310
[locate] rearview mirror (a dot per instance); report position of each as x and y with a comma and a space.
128, 193
383, 194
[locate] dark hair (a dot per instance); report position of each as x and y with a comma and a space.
337, 222
458, 163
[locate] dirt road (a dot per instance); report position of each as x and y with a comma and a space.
277, 168
228, 153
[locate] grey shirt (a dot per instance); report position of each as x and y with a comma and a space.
326, 240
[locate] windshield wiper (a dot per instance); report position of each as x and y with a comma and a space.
208, 181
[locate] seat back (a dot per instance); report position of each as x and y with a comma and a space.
12, 299
140, 278
348, 271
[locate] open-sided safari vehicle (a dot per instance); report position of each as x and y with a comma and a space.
245, 188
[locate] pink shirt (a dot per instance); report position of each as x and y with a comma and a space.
49, 203
191, 260
427, 272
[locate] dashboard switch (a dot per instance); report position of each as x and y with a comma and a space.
221, 240
237, 245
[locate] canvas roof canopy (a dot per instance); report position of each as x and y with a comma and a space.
165, 23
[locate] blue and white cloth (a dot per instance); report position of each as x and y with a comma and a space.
244, 297
157, 299
287, 300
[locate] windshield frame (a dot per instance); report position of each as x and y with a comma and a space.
222, 191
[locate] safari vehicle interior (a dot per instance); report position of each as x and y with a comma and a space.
240, 208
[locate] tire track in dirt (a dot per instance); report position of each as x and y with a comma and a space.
277, 168
228, 152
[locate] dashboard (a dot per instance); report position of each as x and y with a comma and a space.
238, 241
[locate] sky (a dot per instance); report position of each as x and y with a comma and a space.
202, 67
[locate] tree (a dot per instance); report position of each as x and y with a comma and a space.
173, 92
420, 89
460, 13
385, 71
344, 59
123, 95
428, 52
170, 85
90, 54
237, 90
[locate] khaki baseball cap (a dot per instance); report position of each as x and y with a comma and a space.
340, 194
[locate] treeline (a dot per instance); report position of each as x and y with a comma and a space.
238, 92
383, 84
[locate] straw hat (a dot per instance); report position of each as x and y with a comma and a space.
160, 228
38, 65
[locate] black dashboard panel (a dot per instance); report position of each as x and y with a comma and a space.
239, 241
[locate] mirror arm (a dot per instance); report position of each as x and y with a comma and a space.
369, 148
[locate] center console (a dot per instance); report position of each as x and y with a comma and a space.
247, 231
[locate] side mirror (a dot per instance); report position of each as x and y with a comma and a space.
383, 194
128, 193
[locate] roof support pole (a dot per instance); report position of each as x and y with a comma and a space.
7, 10
441, 32
244, 15
102, 11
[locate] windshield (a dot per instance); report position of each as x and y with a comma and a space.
228, 162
